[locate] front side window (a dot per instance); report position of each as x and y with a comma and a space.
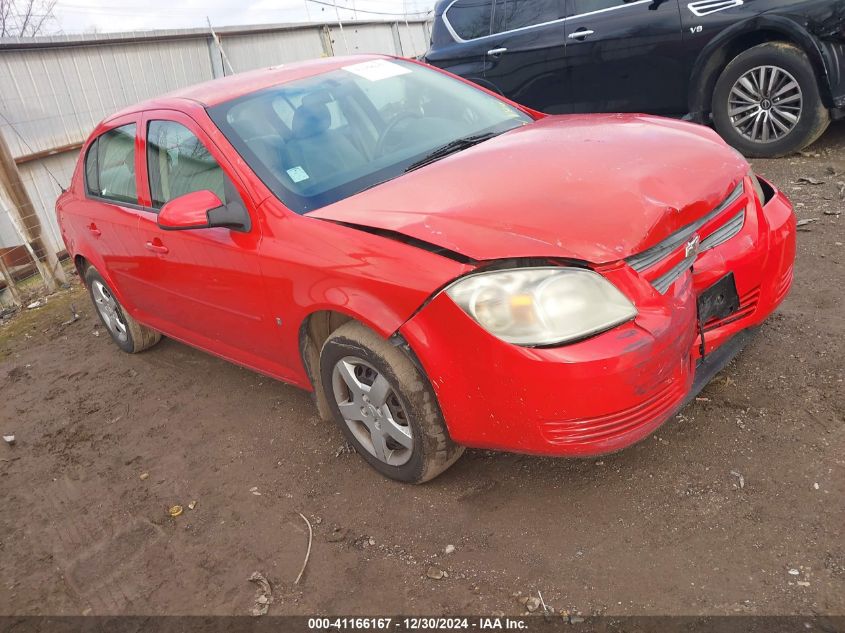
110, 165
470, 18
509, 15
318, 140
179, 163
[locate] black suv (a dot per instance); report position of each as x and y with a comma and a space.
770, 74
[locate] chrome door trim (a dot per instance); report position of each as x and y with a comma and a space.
621, 6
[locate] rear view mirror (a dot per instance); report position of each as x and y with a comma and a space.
202, 210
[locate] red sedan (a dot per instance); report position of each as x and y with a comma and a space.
440, 266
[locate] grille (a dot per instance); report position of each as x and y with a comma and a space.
648, 258
662, 283
724, 232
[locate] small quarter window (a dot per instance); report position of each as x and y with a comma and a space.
110, 165
470, 18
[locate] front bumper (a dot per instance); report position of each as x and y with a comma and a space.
612, 390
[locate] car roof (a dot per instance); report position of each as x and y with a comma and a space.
216, 91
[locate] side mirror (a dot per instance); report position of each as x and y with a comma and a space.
202, 210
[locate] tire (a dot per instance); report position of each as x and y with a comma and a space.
126, 332
410, 411
779, 61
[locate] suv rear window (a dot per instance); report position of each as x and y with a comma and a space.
470, 18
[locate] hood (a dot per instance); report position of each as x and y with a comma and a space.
596, 188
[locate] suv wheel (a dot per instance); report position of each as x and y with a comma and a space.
767, 103
385, 407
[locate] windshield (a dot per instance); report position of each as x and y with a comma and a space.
322, 139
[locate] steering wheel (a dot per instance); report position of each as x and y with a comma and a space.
388, 129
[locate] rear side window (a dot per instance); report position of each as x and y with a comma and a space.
516, 14
179, 163
470, 18
110, 165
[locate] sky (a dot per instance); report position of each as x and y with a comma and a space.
75, 16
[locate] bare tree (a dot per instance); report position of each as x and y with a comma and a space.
25, 18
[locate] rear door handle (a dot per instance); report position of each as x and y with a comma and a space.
580, 34
495, 52
94, 230
157, 247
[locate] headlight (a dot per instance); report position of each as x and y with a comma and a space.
542, 306
758, 188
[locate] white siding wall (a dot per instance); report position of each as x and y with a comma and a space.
260, 50
55, 96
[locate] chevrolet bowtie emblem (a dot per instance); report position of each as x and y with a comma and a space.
691, 248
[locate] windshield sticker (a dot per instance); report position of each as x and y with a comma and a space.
377, 69
297, 174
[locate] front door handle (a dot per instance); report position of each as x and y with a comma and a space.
495, 52
580, 34
157, 247
94, 230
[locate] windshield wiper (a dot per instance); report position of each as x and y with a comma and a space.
450, 148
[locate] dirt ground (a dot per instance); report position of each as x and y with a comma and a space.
734, 507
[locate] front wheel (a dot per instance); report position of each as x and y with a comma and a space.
126, 332
767, 102
385, 407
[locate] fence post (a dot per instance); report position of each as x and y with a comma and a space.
217, 69
326, 40
219, 44
28, 225
397, 39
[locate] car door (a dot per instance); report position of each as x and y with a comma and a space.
625, 56
203, 285
106, 216
526, 52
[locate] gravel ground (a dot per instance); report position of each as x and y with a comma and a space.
734, 507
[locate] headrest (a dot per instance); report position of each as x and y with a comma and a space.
313, 116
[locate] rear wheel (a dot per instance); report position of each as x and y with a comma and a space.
767, 102
130, 336
385, 407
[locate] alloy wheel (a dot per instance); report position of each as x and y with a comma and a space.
765, 104
109, 310
372, 411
